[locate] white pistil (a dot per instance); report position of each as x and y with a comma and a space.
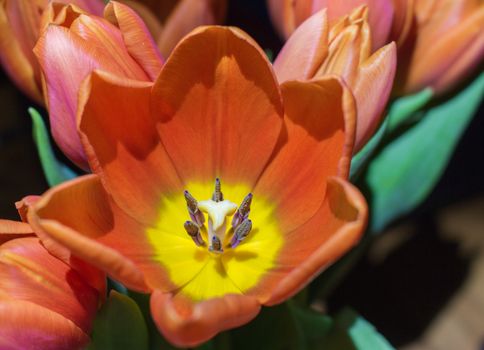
217, 217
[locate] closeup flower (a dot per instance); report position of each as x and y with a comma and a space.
75, 44
44, 303
446, 44
316, 50
170, 20
215, 189
20, 27
388, 19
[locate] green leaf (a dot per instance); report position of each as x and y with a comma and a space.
402, 175
282, 327
55, 172
404, 109
351, 331
360, 159
119, 325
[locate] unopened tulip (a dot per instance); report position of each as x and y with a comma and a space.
383, 19
44, 302
19, 30
214, 189
77, 43
445, 46
170, 20
316, 50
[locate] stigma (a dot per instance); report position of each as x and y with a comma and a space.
218, 210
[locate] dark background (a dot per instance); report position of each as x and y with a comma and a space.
400, 297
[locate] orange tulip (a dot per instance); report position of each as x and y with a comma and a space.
446, 44
170, 20
78, 43
388, 19
19, 31
44, 302
281, 210
316, 50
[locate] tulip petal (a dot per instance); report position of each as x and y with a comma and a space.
94, 7
440, 61
219, 115
29, 273
91, 275
372, 89
318, 142
282, 16
66, 59
13, 229
380, 16
403, 21
186, 16
15, 49
137, 39
187, 324
80, 216
305, 50
311, 248
125, 150
148, 17
104, 37
25, 326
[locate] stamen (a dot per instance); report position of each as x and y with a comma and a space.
243, 212
193, 231
241, 232
216, 245
192, 205
217, 194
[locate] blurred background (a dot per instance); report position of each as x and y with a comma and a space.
421, 283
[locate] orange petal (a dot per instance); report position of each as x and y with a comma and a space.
137, 39
80, 216
372, 89
148, 17
29, 273
104, 37
282, 16
66, 60
91, 275
94, 7
331, 232
23, 324
349, 46
188, 324
380, 16
219, 114
403, 20
23, 205
16, 44
186, 16
123, 146
443, 61
305, 50
13, 229
317, 143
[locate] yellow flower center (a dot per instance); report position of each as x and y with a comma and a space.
215, 248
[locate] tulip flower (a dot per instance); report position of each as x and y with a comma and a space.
446, 45
44, 302
315, 50
170, 20
214, 189
77, 44
388, 19
19, 30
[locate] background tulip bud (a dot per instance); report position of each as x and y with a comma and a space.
19, 30
44, 302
